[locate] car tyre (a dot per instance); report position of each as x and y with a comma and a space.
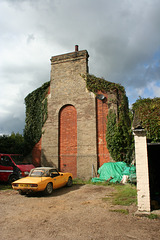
21, 192
13, 178
49, 189
70, 182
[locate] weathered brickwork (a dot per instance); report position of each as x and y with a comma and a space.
69, 88
36, 153
68, 140
74, 135
102, 112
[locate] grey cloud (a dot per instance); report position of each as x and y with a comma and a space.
10, 124
121, 36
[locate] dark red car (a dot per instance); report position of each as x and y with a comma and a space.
12, 167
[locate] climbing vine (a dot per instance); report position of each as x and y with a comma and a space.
119, 139
36, 115
94, 84
119, 136
148, 113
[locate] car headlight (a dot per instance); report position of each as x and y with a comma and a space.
26, 173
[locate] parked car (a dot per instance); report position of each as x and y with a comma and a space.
12, 167
43, 179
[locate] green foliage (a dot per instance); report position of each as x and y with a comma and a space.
12, 144
95, 84
148, 112
119, 136
36, 115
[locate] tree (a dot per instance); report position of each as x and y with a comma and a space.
148, 112
12, 144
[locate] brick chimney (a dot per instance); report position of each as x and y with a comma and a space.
76, 48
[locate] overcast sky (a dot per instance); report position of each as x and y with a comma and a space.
122, 38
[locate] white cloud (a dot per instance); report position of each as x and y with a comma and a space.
121, 36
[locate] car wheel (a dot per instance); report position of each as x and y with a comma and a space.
49, 189
70, 182
21, 192
13, 178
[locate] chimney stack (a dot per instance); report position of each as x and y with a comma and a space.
76, 48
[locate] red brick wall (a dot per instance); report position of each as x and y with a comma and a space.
68, 140
36, 154
102, 111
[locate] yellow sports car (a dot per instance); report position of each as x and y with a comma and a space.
42, 179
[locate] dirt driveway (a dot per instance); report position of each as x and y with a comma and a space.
76, 213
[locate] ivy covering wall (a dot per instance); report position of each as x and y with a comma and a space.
119, 136
148, 113
36, 115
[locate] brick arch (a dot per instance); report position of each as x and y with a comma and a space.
68, 139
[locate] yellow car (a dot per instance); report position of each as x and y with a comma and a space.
42, 179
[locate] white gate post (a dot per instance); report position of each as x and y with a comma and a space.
142, 170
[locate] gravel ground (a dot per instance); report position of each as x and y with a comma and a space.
74, 213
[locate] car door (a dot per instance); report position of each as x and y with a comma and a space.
57, 179
6, 168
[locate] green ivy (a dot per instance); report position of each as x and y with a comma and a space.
119, 136
36, 115
148, 112
94, 84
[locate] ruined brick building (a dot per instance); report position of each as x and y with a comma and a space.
74, 135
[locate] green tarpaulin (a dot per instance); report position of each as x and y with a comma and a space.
114, 172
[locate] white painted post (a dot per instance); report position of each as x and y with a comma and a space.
142, 171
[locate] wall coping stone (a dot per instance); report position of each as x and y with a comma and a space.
73, 56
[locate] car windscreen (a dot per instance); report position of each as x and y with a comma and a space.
19, 160
37, 173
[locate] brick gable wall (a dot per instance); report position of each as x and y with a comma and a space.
74, 135
69, 88
68, 140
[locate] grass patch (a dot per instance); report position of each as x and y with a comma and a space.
153, 216
4, 186
81, 181
124, 195
123, 211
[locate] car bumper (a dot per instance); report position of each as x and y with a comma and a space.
26, 188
